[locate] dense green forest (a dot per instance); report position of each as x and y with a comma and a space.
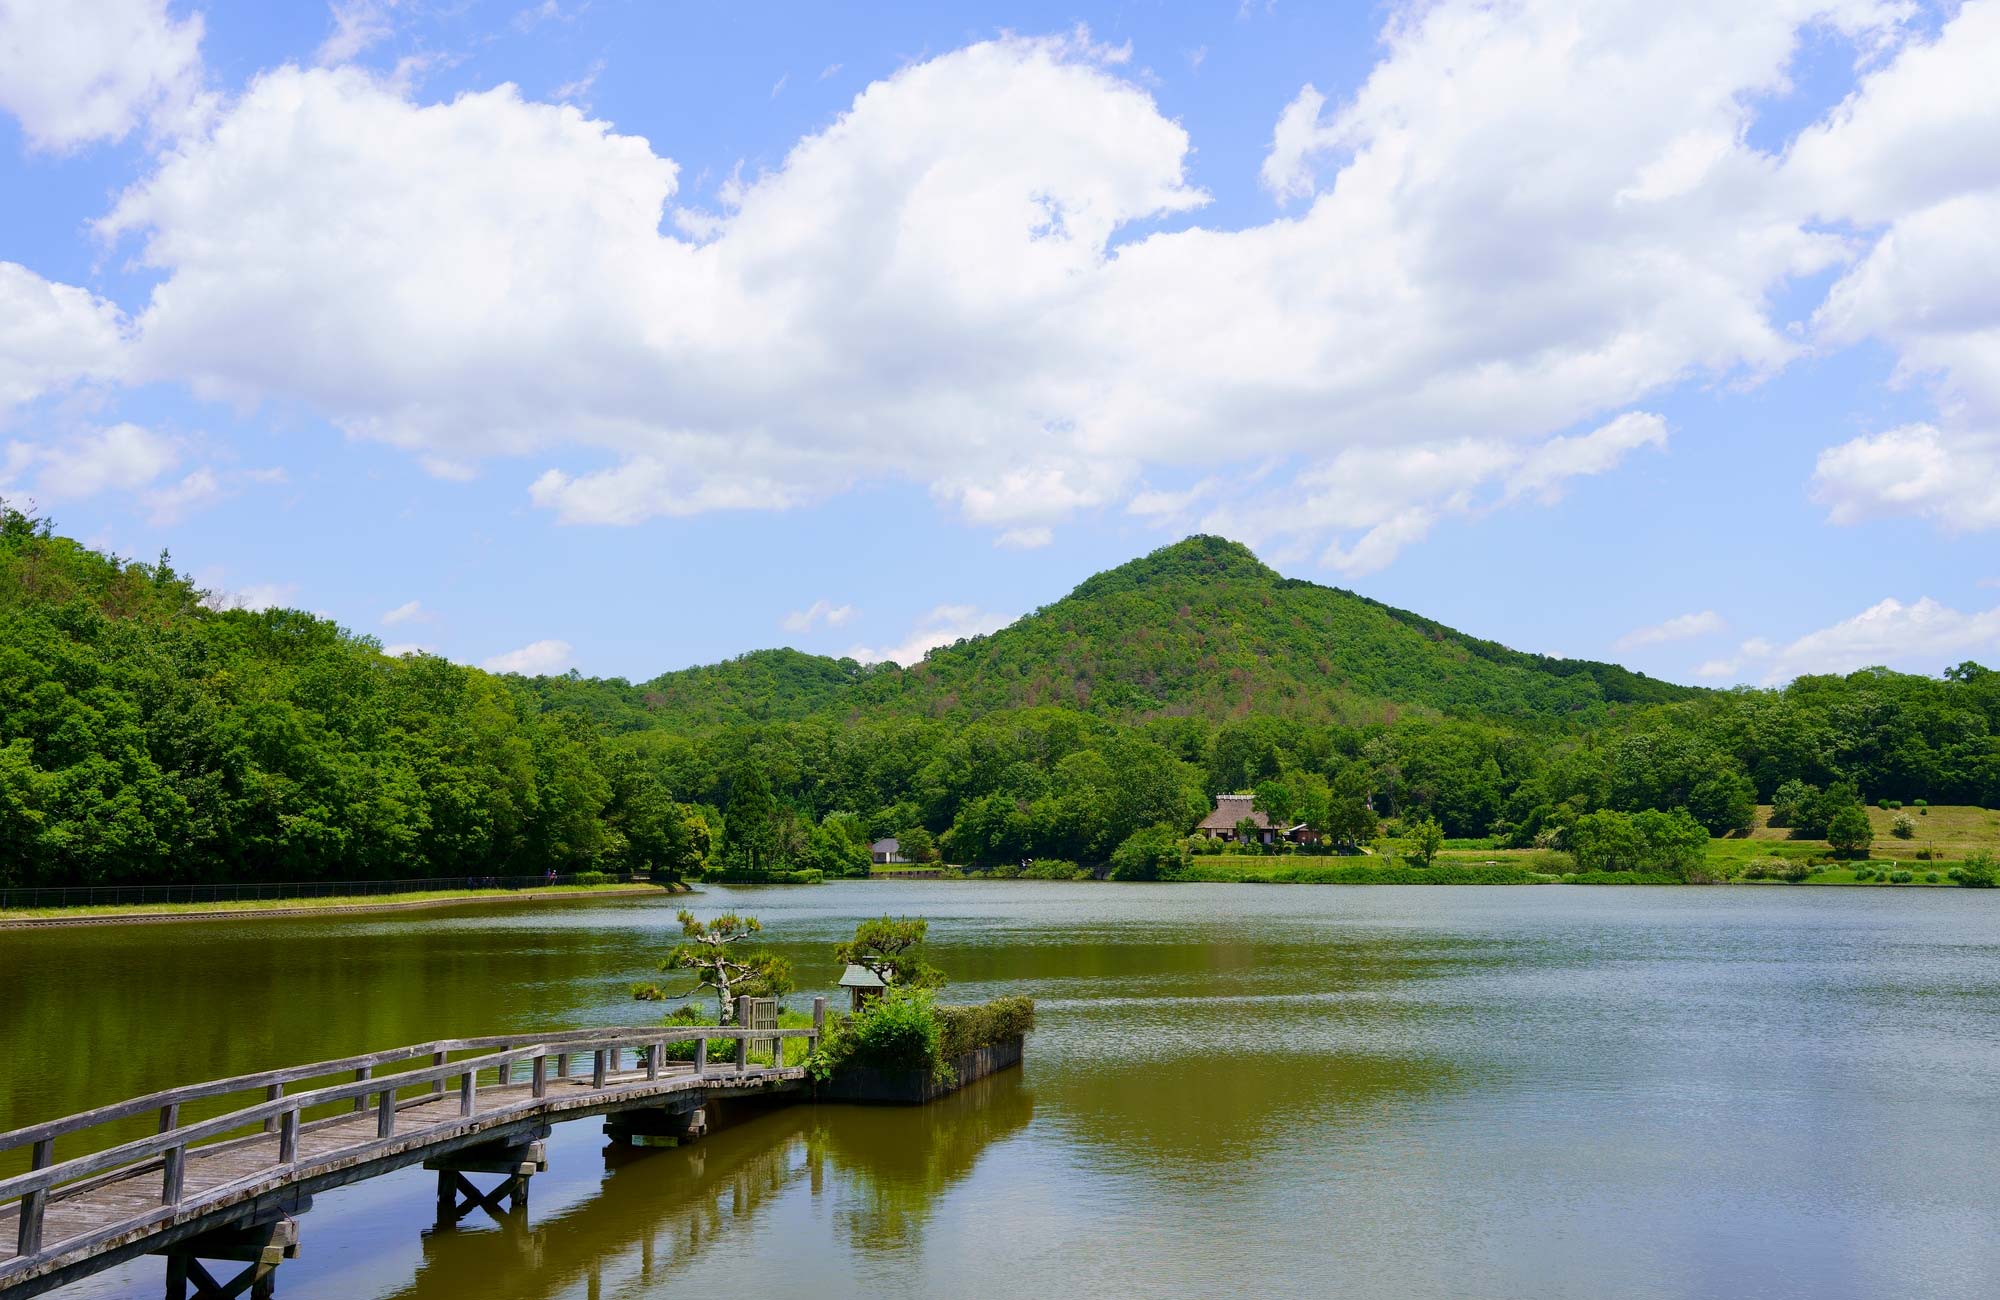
147, 737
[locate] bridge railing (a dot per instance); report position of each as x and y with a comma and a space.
288, 1115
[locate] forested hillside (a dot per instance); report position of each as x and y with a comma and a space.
1198, 628
145, 736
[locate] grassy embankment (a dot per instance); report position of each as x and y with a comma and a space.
344, 903
1947, 832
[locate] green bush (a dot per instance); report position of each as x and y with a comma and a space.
1904, 827
1977, 872
905, 1029
966, 1029
1931, 877
1866, 873
1550, 862
593, 878
1901, 877
1672, 842
1054, 869
897, 1031
1152, 853
745, 876
1849, 833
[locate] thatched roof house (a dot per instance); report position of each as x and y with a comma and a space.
1230, 809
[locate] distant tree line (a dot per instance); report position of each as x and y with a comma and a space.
145, 737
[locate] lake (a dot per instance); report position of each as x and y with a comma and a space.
1375, 1092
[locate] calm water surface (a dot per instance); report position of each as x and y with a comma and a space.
1374, 1092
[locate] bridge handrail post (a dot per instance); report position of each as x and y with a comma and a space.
701, 1057
742, 1034
819, 1026
654, 1051
173, 1164
29, 1240
468, 1092
362, 1074
541, 1077
288, 1137
437, 1084
273, 1092
597, 1068
385, 1112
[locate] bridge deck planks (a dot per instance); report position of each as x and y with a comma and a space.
98, 1203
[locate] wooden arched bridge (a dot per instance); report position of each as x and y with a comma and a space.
226, 1187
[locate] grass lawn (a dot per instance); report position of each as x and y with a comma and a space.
1949, 832
357, 901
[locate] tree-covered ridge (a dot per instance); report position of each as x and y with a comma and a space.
1202, 627
1198, 628
147, 737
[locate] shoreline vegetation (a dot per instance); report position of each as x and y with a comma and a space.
225, 909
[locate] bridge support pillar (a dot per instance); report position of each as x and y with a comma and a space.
515, 1160
259, 1247
680, 1121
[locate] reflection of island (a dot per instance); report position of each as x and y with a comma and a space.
658, 1212
896, 1162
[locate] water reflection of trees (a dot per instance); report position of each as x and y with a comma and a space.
659, 1213
896, 1164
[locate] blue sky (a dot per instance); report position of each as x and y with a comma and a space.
628, 336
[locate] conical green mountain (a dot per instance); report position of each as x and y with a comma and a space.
1202, 627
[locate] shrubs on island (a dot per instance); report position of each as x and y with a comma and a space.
905, 1028
908, 1029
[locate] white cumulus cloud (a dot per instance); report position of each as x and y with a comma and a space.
986, 276
1682, 627
90, 70
820, 611
408, 611
122, 457
1921, 636
52, 335
1913, 157
536, 659
940, 627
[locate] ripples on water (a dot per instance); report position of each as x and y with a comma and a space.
1373, 1092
